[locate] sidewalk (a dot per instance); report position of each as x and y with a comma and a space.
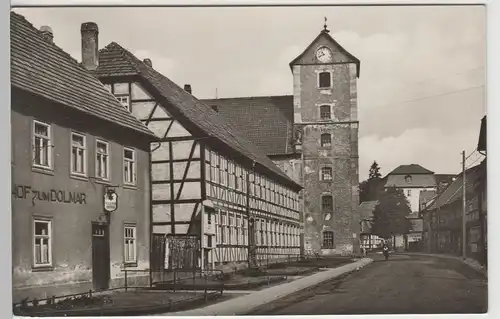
474, 264
244, 304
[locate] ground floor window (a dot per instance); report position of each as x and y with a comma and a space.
328, 239
42, 243
130, 244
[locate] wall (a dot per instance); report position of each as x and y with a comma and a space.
342, 156
71, 222
414, 196
176, 168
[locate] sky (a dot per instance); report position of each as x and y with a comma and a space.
421, 91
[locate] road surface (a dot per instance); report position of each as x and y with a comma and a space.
403, 285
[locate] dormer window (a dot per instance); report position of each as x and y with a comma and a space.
124, 100
325, 112
324, 80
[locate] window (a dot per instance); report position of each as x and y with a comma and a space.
124, 100
42, 243
408, 192
328, 239
326, 174
327, 203
41, 144
102, 160
130, 244
326, 140
78, 154
129, 166
324, 80
325, 112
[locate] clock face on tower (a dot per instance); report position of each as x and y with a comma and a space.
324, 55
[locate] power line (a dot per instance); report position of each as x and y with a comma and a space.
431, 96
447, 75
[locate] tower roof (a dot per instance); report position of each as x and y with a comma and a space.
342, 57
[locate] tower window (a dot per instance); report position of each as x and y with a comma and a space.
326, 140
324, 80
326, 174
328, 239
327, 203
325, 112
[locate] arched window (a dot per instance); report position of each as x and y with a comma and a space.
324, 80
328, 239
325, 112
326, 140
326, 174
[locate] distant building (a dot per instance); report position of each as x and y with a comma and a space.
80, 174
369, 241
419, 185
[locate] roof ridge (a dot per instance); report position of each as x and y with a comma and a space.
41, 34
248, 97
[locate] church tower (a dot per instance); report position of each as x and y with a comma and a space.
326, 133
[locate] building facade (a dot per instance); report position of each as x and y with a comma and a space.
313, 137
80, 179
216, 197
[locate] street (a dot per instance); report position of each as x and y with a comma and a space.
403, 285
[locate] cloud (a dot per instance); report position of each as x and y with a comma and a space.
432, 148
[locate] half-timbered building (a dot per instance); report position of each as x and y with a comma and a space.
215, 195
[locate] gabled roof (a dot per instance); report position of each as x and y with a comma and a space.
267, 121
417, 181
454, 191
326, 34
410, 170
114, 60
42, 68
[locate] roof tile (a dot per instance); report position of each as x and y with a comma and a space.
44, 69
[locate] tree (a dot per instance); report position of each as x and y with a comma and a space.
374, 171
389, 216
370, 188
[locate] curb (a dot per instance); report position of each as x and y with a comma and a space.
245, 304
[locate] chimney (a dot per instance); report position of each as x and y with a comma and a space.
187, 87
148, 62
47, 33
90, 45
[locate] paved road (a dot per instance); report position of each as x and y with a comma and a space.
403, 285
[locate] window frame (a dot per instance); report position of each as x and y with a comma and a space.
326, 209
47, 221
134, 166
49, 144
330, 79
328, 143
325, 242
118, 97
322, 175
329, 106
108, 156
84, 155
125, 244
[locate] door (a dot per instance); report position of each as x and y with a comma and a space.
100, 256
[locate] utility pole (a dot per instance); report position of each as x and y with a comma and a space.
464, 207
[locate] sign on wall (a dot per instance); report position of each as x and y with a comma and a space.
52, 195
110, 200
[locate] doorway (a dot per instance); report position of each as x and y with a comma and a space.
100, 256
